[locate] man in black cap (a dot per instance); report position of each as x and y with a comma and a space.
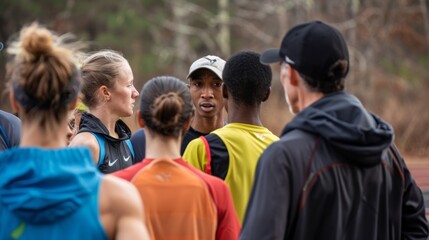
335, 173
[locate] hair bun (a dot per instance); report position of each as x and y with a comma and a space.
35, 40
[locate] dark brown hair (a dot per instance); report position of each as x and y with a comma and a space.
334, 80
165, 105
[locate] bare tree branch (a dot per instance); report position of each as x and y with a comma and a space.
186, 29
426, 21
251, 28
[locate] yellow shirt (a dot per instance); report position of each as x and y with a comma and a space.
244, 143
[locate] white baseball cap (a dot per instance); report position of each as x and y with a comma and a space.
211, 62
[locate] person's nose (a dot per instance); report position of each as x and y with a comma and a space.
135, 93
207, 93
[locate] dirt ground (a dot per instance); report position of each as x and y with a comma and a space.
419, 168
416, 159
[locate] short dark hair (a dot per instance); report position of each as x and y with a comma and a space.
246, 78
332, 82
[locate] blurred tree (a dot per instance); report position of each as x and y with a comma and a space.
388, 41
224, 32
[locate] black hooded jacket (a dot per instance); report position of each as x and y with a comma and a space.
118, 152
334, 174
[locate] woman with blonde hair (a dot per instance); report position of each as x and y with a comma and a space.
48, 191
109, 94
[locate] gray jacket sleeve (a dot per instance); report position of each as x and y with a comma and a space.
10, 130
414, 222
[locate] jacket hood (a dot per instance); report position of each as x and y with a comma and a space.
43, 186
343, 122
90, 123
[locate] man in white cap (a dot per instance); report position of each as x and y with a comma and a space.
205, 84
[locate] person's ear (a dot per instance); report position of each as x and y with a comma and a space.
140, 120
73, 105
267, 95
294, 78
224, 91
105, 93
188, 85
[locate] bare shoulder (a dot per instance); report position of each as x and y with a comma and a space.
122, 209
121, 191
84, 139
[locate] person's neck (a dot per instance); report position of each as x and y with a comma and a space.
307, 98
107, 118
55, 136
244, 114
207, 125
162, 147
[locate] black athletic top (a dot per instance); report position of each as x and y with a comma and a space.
115, 153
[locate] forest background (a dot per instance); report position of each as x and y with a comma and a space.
388, 43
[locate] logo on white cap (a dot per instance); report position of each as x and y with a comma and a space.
212, 61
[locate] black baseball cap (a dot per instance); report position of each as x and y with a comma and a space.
310, 48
